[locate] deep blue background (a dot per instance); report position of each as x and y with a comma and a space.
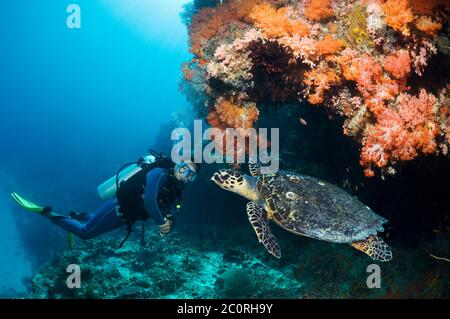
76, 104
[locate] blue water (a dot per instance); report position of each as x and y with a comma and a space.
77, 103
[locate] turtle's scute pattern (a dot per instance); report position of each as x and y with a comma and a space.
321, 210
374, 247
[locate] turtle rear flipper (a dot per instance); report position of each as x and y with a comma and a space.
260, 223
374, 247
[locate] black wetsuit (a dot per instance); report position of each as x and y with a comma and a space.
134, 202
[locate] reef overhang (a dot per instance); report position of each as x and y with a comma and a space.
379, 64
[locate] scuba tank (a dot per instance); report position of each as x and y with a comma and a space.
109, 188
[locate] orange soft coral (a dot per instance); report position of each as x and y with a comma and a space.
328, 45
398, 15
364, 70
275, 22
229, 115
428, 26
386, 90
320, 80
371, 82
416, 111
317, 10
207, 23
401, 134
386, 141
398, 64
242, 8
419, 115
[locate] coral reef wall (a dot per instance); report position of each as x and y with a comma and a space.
379, 65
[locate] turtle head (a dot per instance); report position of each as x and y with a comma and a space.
236, 182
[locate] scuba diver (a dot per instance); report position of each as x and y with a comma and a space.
150, 188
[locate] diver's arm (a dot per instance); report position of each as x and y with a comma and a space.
176, 189
162, 179
166, 228
150, 198
179, 188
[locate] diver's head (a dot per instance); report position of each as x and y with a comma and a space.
186, 171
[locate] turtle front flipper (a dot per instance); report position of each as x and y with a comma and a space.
260, 223
374, 247
255, 169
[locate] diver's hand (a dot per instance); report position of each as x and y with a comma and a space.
166, 228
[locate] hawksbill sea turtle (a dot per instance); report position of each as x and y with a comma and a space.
305, 206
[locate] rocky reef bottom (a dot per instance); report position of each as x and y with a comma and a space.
218, 262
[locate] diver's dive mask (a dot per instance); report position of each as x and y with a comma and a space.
186, 172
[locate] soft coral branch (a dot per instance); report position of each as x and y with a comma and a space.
319, 81
398, 64
398, 15
275, 22
317, 10
400, 134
